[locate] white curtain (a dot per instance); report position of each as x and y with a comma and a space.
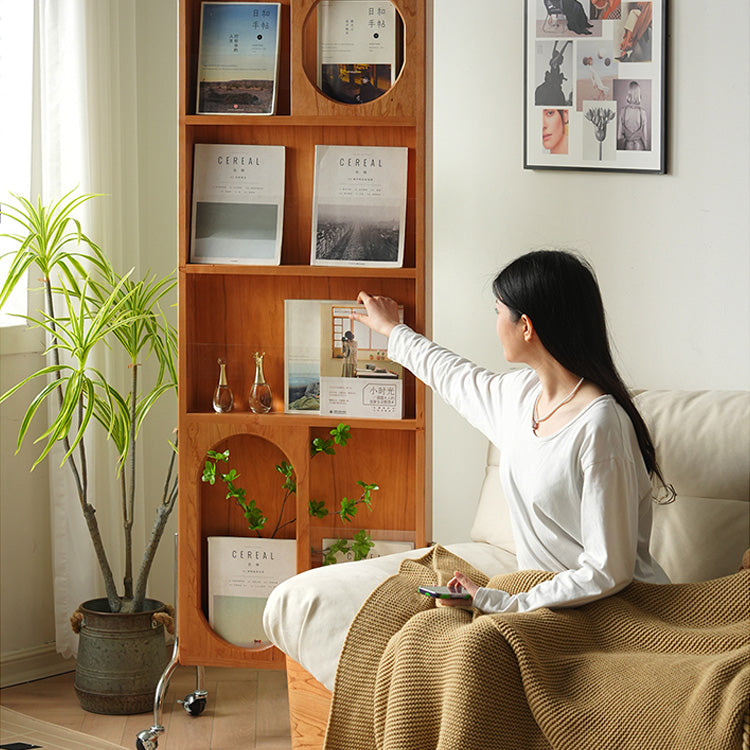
85, 136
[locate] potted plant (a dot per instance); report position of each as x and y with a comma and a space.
90, 308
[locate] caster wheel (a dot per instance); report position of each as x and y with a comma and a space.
146, 741
194, 704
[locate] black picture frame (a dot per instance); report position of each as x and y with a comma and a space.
595, 85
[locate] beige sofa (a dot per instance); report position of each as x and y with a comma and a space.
703, 444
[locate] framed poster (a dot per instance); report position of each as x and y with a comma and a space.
595, 85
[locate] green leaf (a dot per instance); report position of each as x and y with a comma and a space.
209, 473
329, 553
253, 515
361, 544
223, 456
286, 469
341, 434
322, 446
317, 508
348, 509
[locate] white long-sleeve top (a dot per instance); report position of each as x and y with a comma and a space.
579, 500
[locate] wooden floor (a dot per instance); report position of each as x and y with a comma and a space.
245, 709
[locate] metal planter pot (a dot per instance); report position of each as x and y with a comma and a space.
120, 658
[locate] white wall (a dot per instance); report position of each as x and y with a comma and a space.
671, 252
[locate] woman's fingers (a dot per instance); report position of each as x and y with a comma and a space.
382, 313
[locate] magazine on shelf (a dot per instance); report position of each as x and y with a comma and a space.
379, 548
357, 49
359, 206
238, 204
242, 572
238, 58
337, 366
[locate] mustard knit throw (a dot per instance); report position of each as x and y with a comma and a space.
651, 668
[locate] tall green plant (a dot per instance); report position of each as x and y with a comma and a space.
89, 307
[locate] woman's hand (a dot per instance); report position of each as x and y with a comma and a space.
460, 581
382, 313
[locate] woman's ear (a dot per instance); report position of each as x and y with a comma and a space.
527, 328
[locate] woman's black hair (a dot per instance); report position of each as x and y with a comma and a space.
559, 293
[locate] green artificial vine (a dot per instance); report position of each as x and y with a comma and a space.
359, 545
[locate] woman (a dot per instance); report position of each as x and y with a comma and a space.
555, 130
632, 124
349, 352
576, 455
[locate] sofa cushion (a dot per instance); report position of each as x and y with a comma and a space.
702, 441
492, 518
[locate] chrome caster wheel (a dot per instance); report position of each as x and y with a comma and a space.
194, 703
148, 739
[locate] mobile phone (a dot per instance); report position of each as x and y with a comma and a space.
443, 592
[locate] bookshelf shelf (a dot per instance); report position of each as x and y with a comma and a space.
248, 421
196, 269
300, 121
231, 311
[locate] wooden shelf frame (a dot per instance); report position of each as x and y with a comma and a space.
228, 310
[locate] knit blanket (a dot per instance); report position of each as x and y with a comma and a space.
662, 667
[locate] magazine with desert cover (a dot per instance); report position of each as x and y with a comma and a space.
337, 366
357, 49
359, 206
238, 58
238, 204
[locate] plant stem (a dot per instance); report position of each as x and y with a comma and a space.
130, 507
281, 513
81, 477
169, 498
89, 513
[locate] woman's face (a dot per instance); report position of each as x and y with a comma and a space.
554, 138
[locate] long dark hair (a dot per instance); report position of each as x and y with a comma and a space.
559, 293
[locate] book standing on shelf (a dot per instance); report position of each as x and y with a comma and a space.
337, 366
238, 60
356, 49
359, 206
242, 572
378, 549
238, 204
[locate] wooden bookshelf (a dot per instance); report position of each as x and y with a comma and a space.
232, 311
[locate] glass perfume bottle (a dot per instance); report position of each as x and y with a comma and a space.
223, 397
259, 399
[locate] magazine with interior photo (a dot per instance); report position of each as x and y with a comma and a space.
359, 206
336, 366
356, 377
357, 49
238, 204
238, 58
302, 355
242, 572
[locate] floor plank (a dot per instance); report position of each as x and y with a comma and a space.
245, 708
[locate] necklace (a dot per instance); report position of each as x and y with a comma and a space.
536, 421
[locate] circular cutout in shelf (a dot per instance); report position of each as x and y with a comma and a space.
353, 50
